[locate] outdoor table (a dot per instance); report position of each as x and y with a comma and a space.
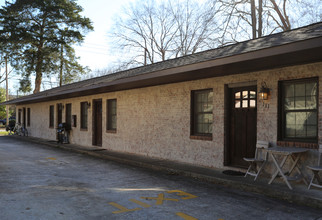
294, 154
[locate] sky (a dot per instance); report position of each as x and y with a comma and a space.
94, 51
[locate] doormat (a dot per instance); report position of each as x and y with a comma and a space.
233, 173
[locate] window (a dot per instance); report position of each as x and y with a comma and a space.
111, 115
245, 99
19, 116
68, 116
59, 113
84, 114
298, 118
51, 116
28, 117
24, 117
202, 112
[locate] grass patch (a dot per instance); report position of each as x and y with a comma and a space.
4, 133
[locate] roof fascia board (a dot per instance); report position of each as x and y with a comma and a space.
294, 47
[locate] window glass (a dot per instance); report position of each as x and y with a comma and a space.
19, 116
245, 94
237, 95
28, 116
289, 103
51, 116
311, 95
245, 99
289, 90
299, 110
252, 103
84, 115
111, 114
245, 103
252, 94
202, 116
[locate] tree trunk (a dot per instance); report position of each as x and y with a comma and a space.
284, 18
37, 83
253, 14
260, 18
61, 65
38, 70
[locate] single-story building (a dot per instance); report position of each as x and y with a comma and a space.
204, 109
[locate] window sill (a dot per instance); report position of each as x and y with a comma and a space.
200, 137
111, 131
297, 144
83, 129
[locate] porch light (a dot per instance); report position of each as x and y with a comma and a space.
264, 91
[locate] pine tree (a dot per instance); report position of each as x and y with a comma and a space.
34, 31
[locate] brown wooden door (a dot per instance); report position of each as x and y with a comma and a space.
243, 123
97, 122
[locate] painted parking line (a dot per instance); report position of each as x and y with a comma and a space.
182, 193
51, 158
160, 199
122, 208
185, 216
145, 205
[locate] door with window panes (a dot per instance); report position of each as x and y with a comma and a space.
242, 125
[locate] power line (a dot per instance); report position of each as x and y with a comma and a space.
94, 48
94, 52
94, 45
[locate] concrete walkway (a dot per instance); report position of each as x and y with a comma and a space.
278, 189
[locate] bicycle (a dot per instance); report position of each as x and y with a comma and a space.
13, 129
18, 129
23, 130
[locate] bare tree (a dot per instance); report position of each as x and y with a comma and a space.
146, 31
153, 31
246, 19
3, 72
254, 18
195, 24
260, 18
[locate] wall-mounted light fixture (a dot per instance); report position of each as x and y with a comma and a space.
264, 91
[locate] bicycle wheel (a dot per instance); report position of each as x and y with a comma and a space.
19, 132
26, 132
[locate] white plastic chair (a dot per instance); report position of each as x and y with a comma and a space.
316, 179
260, 159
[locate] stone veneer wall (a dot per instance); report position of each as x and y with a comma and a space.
155, 121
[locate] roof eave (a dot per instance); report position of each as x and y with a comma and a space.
296, 53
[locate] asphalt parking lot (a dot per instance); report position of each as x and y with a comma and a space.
39, 182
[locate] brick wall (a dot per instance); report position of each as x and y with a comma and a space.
155, 121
